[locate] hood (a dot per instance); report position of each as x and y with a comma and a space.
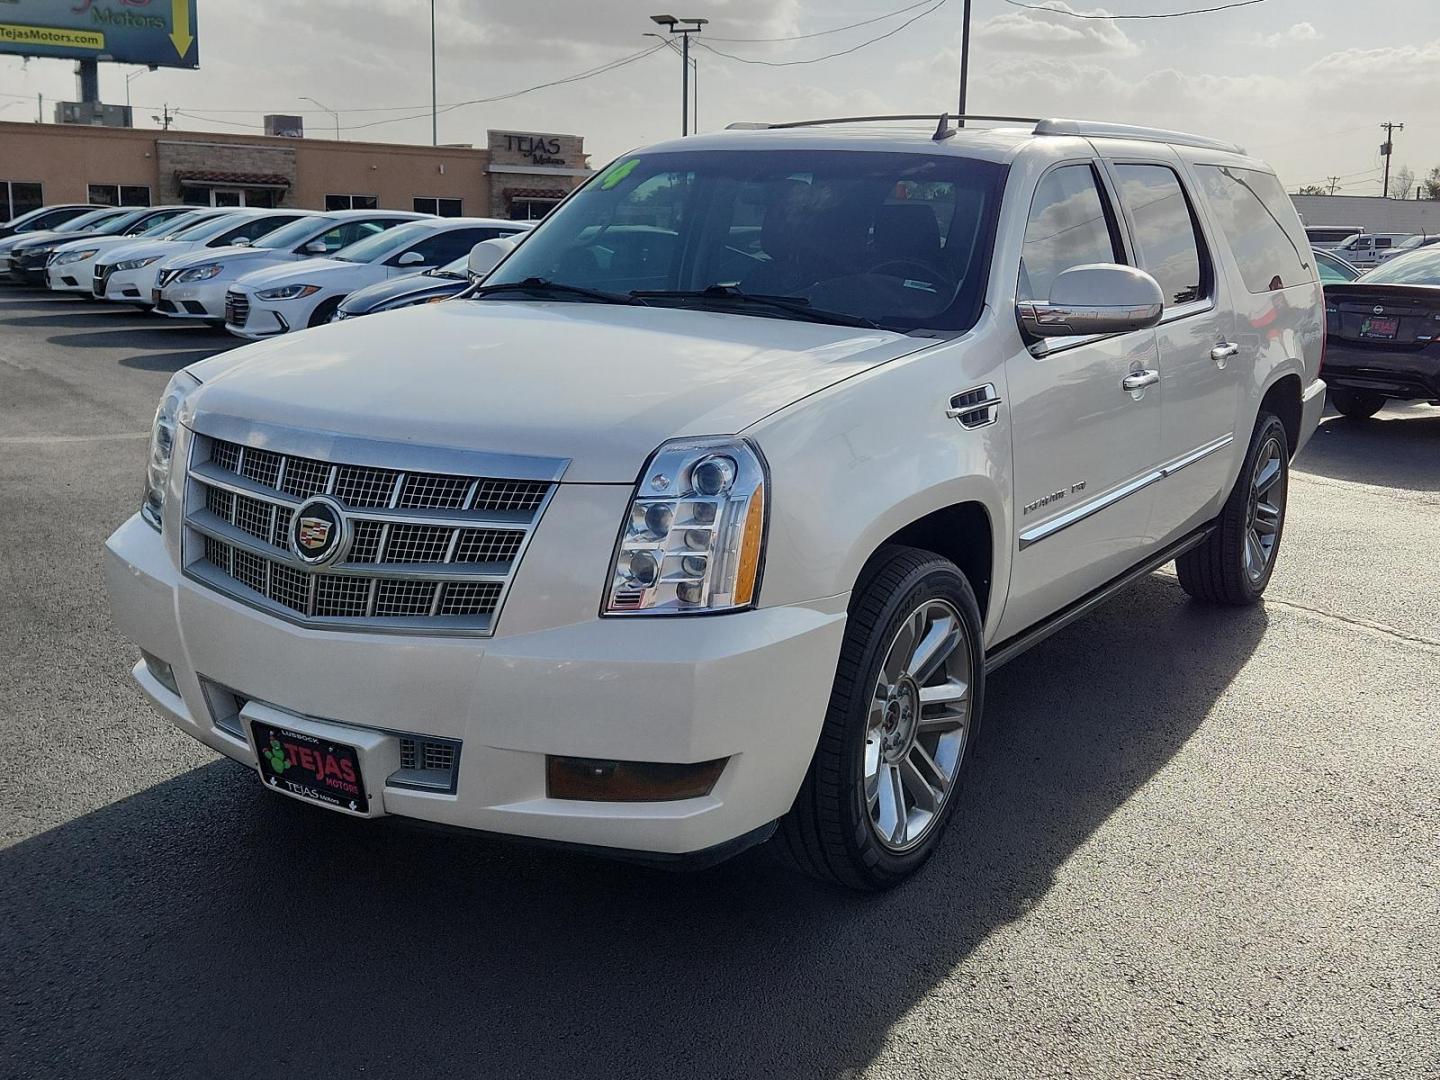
273, 277
232, 253
602, 386
135, 249
416, 286
102, 242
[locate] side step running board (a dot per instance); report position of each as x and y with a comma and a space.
1008, 650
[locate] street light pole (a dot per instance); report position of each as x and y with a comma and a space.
683, 27
331, 111
964, 62
434, 92
694, 80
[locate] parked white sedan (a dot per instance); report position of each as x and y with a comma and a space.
193, 286
295, 296
71, 267
127, 272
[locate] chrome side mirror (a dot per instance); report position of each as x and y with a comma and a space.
1100, 298
487, 254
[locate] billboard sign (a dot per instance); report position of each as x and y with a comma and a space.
158, 32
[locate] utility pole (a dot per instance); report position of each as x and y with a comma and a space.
1334, 181
964, 62
683, 27
1385, 148
434, 92
694, 80
165, 119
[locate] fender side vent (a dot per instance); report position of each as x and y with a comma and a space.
975, 408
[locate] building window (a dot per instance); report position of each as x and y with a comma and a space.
17, 197
528, 209
351, 202
119, 195
438, 207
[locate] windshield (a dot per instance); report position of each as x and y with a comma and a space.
297, 232
204, 229
374, 248
1415, 268
171, 228
1332, 269
900, 239
117, 225
460, 268
86, 222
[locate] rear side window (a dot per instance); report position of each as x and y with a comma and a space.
1167, 242
1069, 226
1259, 221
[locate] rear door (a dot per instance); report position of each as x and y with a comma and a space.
1199, 359
1084, 448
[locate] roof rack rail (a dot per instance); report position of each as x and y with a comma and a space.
933, 117
1102, 130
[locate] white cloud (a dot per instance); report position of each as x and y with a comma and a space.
1297, 34
1035, 31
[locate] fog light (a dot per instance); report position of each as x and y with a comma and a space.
161, 672
595, 780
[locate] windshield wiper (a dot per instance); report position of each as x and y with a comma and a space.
543, 286
797, 306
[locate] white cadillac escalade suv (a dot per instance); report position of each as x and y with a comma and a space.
709, 511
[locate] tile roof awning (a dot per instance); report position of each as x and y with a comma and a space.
233, 179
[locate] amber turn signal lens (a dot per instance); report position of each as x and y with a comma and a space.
594, 780
749, 568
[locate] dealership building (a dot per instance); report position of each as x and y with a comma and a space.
518, 174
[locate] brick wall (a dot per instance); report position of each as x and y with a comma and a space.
176, 156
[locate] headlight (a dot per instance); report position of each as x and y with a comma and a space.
694, 537
136, 264
75, 256
200, 273
288, 292
162, 445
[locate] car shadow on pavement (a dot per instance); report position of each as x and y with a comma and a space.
151, 337
87, 316
204, 927
1399, 448
174, 361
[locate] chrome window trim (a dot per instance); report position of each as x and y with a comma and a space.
1075, 515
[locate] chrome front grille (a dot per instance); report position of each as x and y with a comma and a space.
428, 551
237, 308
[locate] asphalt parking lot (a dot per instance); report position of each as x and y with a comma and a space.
1197, 842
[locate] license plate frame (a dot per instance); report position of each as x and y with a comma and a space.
310, 766
1383, 327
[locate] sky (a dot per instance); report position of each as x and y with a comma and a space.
1302, 83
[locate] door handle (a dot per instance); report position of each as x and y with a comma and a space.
1223, 352
1138, 380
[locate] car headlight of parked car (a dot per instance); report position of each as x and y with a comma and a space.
162, 445
694, 538
66, 257
136, 264
287, 292
201, 273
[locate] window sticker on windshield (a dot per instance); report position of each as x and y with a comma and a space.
618, 173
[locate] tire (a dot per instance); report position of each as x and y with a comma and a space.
1356, 404
1234, 564
321, 315
834, 829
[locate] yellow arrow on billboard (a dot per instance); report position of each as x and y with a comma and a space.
180, 27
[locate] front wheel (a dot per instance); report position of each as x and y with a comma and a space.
1234, 563
1356, 404
897, 734
321, 315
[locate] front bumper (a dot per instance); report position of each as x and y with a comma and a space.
750, 687
69, 277
194, 300
129, 286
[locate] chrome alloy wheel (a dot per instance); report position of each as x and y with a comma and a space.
1268, 486
917, 726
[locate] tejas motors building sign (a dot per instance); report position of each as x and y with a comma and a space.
530, 148
157, 32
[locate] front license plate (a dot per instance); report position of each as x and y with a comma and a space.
1380, 328
310, 767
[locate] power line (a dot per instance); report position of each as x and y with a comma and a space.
828, 56
822, 33
1162, 15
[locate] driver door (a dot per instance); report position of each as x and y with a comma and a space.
1083, 446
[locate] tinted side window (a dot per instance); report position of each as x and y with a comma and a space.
1069, 226
447, 247
1259, 220
1167, 243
